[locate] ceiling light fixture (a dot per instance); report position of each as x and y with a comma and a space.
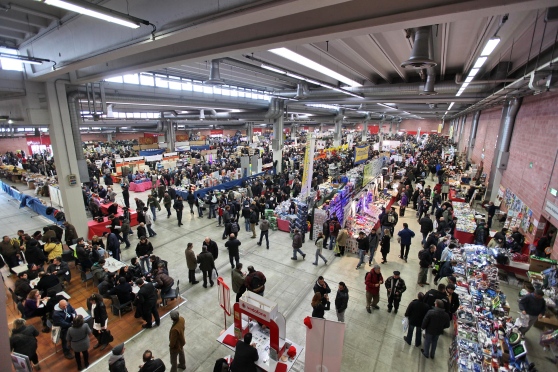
96, 11
274, 69
306, 62
386, 106
450, 106
23, 59
490, 46
469, 79
480, 62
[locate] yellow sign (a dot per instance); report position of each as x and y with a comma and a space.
440, 127
361, 154
307, 156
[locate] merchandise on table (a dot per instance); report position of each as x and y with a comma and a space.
465, 217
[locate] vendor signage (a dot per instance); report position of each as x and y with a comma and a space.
308, 164
361, 154
215, 132
552, 209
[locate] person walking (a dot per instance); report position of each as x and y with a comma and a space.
373, 241
395, 286
342, 239
318, 309
434, 323
191, 199
532, 305
148, 223
150, 363
177, 341
153, 205
405, 237
100, 321
233, 245
116, 360
147, 301
179, 208
426, 227
78, 338
385, 245
319, 246
144, 249
264, 231
226, 217
373, 280
341, 301
254, 219
297, 244
24, 341
255, 281
363, 244
207, 264
425, 260
237, 279
416, 311
125, 230
192, 263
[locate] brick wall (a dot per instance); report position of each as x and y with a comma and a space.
426, 125
487, 135
466, 134
13, 144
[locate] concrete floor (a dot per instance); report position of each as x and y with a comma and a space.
373, 342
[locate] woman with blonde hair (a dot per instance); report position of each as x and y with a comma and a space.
384, 244
317, 306
24, 341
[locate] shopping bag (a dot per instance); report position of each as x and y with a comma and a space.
522, 321
336, 248
55, 334
405, 323
105, 337
214, 274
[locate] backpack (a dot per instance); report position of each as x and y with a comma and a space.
234, 227
331, 226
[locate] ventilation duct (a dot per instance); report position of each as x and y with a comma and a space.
214, 74
75, 118
506, 133
543, 81
420, 58
430, 71
302, 91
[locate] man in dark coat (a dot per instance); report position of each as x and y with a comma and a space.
416, 311
211, 247
395, 286
245, 356
233, 245
434, 323
207, 263
426, 227
147, 301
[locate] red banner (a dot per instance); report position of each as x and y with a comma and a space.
257, 130
216, 131
38, 140
373, 129
151, 135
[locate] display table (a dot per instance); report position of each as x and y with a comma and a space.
141, 187
98, 228
261, 338
464, 237
519, 269
452, 197
113, 265
104, 208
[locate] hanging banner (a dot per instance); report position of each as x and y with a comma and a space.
182, 138
257, 130
151, 152
214, 132
361, 154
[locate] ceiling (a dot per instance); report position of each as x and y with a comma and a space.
365, 44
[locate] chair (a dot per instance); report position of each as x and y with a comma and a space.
15, 297
85, 277
68, 256
21, 309
117, 306
53, 339
172, 294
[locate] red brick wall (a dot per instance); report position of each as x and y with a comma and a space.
466, 133
13, 144
426, 125
487, 135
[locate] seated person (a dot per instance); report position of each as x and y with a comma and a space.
35, 257
162, 280
97, 253
97, 241
82, 253
112, 209
123, 291
60, 269
34, 306
127, 274
245, 356
22, 286
107, 285
135, 268
46, 282
98, 270
54, 249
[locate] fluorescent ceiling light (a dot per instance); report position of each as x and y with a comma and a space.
480, 62
451, 105
386, 106
301, 60
96, 11
469, 79
473, 72
464, 85
459, 92
296, 76
274, 69
23, 59
490, 46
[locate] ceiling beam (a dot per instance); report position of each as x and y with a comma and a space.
444, 42
12, 34
28, 29
24, 19
387, 54
361, 53
42, 14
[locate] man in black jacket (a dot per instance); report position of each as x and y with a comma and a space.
150, 364
123, 291
425, 260
416, 311
245, 356
452, 300
254, 219
144, 249
436, 294
434, 323
426, 227
341, 301
147, 301
322, 287
211, 247
233, 245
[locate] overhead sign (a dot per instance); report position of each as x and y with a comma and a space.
361, 154
552, 209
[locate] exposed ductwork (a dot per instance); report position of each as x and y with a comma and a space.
214, 74
420, 57
75, 121
430, 71
302, 91
543, 81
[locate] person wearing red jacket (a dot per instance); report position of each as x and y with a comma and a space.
373, 281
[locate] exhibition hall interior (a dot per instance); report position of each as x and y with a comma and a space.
278, 185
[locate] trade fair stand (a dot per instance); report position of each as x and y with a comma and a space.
261, 317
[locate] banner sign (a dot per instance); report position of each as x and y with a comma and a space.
151, 152
320, 144
214, 132
361, 154
308, 165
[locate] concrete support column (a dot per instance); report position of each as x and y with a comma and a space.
171, 143
337, 136
109, 137
250, 131
461, 130
294, 129
277, 143
5, 355
65, 156
364, 131
502, 152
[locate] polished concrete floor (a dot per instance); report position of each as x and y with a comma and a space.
373, 342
